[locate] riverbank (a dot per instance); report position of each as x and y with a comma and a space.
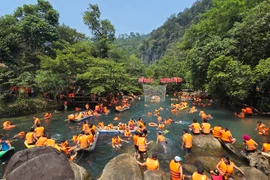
27, 107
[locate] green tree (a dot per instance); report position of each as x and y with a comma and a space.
103, 31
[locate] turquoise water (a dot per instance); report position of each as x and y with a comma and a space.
95, 161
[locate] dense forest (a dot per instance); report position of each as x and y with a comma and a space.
219, 46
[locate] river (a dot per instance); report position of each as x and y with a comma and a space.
95, 161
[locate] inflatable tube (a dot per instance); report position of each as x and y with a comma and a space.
152, 124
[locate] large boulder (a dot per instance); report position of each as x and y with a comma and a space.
122, 167
43, 163
157, 175
258, 161
203, 144
252, 173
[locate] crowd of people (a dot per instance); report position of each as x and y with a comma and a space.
37, 136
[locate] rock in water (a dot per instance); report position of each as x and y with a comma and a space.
157, 175
252, 173
203, 144
122, 167
258, 161
42, 163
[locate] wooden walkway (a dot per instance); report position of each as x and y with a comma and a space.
85, 100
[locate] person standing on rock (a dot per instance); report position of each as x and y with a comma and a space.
176, 169
226, 167
151, 163
198, 175
186, 141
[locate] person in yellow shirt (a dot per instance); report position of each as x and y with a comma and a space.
151, 163
199, 174
162, 140
186, 141
205, 126
266, 146
195, 127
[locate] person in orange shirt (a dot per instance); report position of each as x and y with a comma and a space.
250, 144
127, 133
83, 141
176, 169
195, 127
217, 131
116, 142
30, 137
135, 138
42, 140
199, 174
36, 121
162, 140
50, 142
226, 167
39, 131
85, 127
266, 146
186, 141
205, 126
260, 128
151, 163
19, 135
226, 136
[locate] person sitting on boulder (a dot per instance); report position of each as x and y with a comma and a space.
226, 167
195, 127
217, 131
226, 136
151, 163
205, 126
198, 175
266, 146
250, 144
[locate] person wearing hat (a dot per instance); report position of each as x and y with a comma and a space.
250, 144
226, 167
151, 163
215, 175
186, 141
176, 169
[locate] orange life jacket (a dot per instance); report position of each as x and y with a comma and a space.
141, 142
226, 168
152, 164
83, 140
266, 147
206, 128
161, 138
116, 141
226, 136
250, 145
260, 128
216, 131
37, 121
41, 141
174, 169
50, 142
135, 139
86, 128
187, 139
127, 133
39, 131
91, 138
197, 176
6, 123
29, 137
195, 127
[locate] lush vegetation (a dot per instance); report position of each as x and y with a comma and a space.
222, 46
42, 55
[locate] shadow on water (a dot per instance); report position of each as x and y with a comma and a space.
95, 161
